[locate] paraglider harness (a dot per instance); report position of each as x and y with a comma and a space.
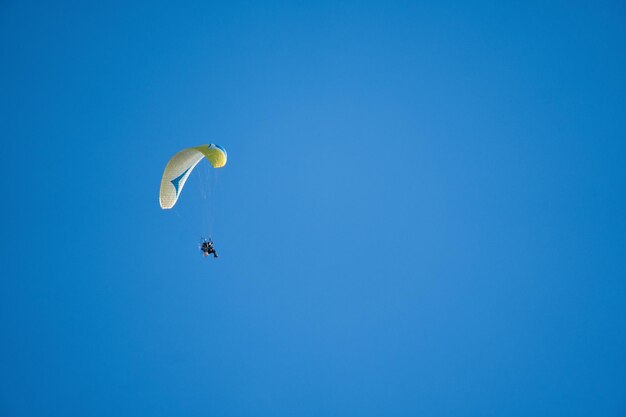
207, 248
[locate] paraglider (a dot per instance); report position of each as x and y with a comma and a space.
177, 172
207, 248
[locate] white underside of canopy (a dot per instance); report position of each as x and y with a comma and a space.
175, 175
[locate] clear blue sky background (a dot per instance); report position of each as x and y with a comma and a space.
423, 211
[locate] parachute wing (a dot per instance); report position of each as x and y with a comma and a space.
180, 166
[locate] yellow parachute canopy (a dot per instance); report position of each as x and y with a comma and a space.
180, 166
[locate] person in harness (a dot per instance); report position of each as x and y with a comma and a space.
207, 248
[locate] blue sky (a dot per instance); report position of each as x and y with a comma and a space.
422, 214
